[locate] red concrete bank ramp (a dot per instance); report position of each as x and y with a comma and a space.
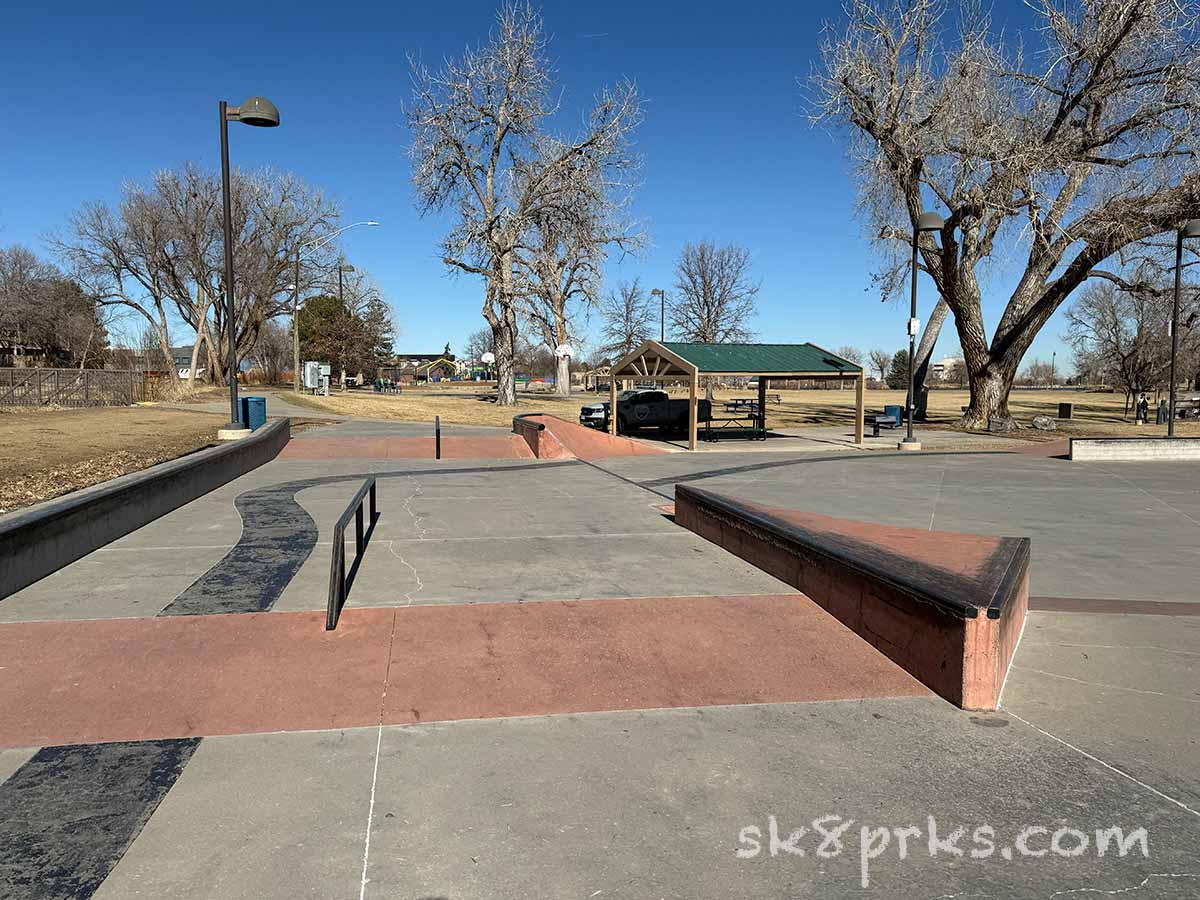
947, 607
559, 439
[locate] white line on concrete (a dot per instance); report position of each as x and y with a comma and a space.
1114, 647
1101, 684
1016, 648
1108, 766
1155, 497
362, 888
938, 496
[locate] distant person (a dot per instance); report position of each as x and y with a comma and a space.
1164, 413
1142, 416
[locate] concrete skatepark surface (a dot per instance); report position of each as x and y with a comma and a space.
467, 734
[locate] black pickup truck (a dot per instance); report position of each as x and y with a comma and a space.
644, 409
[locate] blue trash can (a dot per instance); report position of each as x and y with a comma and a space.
253, 412
896, 412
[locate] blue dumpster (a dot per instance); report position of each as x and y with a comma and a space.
896, 412
253, 412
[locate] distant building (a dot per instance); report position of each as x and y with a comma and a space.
414, 368
16, 352
949, 369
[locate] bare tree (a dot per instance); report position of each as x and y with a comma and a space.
1120, 336
479, 147
628, 318
161, 253
478, 343
272, 352
1076, 150
567, 247
40, 306
880, 360
714, 297
1038, 373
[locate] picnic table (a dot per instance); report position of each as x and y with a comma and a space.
741, 419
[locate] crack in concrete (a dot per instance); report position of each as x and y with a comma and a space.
421, 530
1126, 890
1101, 684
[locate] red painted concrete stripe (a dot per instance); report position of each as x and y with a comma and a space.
561, 657
139, 679
182, 676
1114, 607
482, 447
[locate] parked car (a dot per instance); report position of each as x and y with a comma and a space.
644, 409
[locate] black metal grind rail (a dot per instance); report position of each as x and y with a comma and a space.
339, 585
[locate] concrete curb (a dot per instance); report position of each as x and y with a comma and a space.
1134, 449
42, 539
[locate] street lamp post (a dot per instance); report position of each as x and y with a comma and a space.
342, 267
316, 244
1190, 229
260, 112
662, 313
927, 221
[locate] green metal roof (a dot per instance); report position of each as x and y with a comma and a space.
761, 358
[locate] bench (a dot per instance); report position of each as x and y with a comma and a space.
877, 422
946, 607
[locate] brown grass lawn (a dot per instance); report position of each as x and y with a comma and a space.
48, 452
1094, 413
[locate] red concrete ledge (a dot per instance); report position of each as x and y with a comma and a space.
947, 607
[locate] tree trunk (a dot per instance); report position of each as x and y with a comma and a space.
929, 338
195, 359
990, 387
215, 359
500, 312
562, 377
164, 343
503, 335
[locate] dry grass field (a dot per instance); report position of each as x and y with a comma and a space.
1095, 413
45, 453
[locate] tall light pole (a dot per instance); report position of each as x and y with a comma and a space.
662, 313
1190, 229
343, 267
255, 111
316, 244
927, 221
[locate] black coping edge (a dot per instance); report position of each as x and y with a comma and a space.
1009, 564
40, 540
518, 420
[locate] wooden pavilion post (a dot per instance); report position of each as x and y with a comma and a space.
693, 387
612, 404
859, 388
762, 404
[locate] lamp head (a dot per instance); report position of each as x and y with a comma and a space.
346, 267
1190, 229
930, 221
258, 111
372, 223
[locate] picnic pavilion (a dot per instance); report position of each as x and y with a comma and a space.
675, 362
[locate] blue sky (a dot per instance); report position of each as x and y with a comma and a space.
97, 95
